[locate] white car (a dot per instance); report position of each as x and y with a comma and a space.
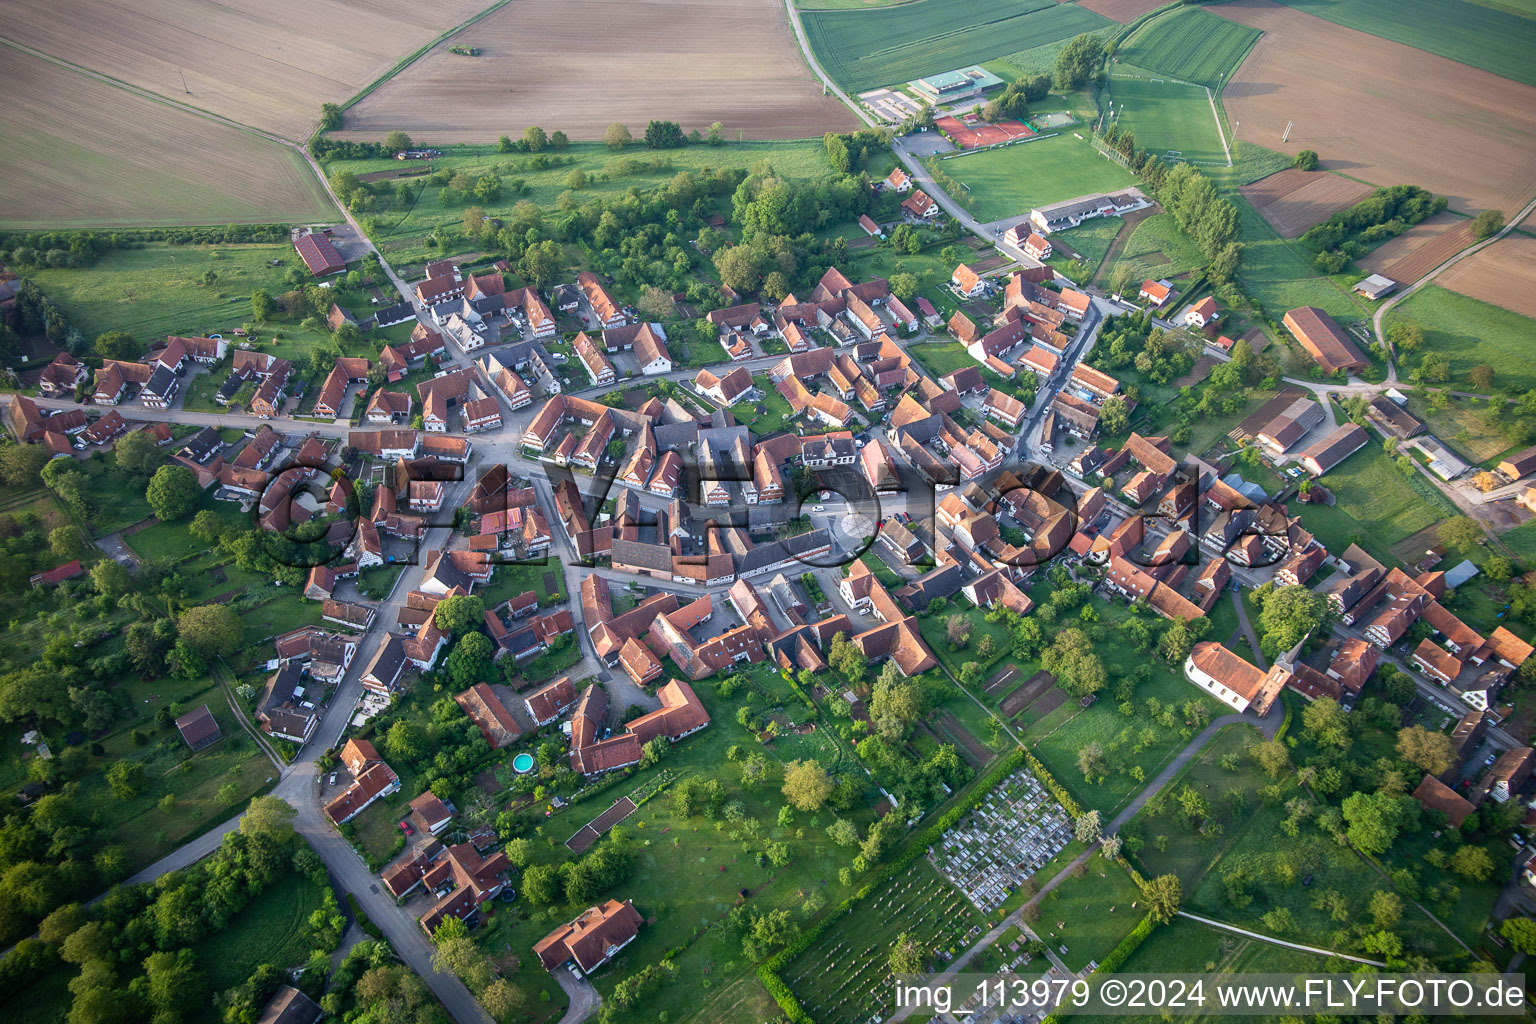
818, 508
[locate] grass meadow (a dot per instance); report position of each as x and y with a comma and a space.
1374, 503
1159, 249
865, 49
1012, 180
1037, 60
1472, 332
1488, 36
1168, 118
1277, 275
1190, 44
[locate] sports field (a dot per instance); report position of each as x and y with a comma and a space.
1012, 180
1471, 332
81, 153
1190, 44
578, 66
866, 49
1174, 120
1399, 116
1486, 36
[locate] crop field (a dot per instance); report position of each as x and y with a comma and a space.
1481, 35
1012, 180
1189, 44
864, 50
1174, 120
1420, 249
1294, 200
1037, 60
82, 153
267, 65
581, 65
1400, 116
1472, 332
1276, 273
159, 289
1504, 274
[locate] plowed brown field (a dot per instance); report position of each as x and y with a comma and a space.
580, 65
265, 63
81, 153
1292, 200
1503, 274
1420, 249
1383, 112
1123, 11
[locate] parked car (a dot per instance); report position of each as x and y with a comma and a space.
333, 778
407, 828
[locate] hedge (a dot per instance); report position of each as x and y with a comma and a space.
1057, 789
768, 971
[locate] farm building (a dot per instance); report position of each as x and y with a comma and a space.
1324, 340
319, 255
1375, 286
198, 728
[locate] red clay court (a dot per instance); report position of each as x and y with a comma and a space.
979, 134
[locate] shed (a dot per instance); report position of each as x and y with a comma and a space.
199, 729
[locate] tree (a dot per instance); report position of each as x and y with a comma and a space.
1113, 416
1472, 863
268, 817
664, 135
1091, 761
843, 832
1460, 532
806, 785
958, 629
65, 542
459, 614
534, 138
1422, 748
1386, 908
542, 884
110, 578
1306, 160
172, 984
1327, 722
138, 453
655, 303
1481, 377
1164, 895
1272, 756
1405, 336
1521, 933
1487, 224
1287, 615
846, 659
1077, 62
126, 778
905, 286
906, 956
405, 741
469, 658
1373, 821
501, 998
262, 305
1071, 660
21, 464
1088, 828
117, 345
212, 630
617, 136
172, 493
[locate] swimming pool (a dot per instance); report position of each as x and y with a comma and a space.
522, 763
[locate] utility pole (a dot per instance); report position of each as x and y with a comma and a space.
184, 81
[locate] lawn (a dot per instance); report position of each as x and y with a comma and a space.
1464, 425
1471, 332
775, 416
403, 234
865, 49
1091, 240
272, 929
159, 289
1158, 249
1089, 913
1190, 44
117, 499
1522, 541
1375, 503
1276, 274
1171, 119
1484, 36
1012, 180
941, 357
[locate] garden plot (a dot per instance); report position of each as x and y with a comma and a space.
1004, 841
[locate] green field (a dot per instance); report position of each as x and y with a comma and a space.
1170, 119
1472, 332
272, 929
403, 232
1091, 240
1275, 273
1485, 37
1037, 60
1190, 44
159, 289
865, 49
1012, 180
1158, 249
1376, 504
